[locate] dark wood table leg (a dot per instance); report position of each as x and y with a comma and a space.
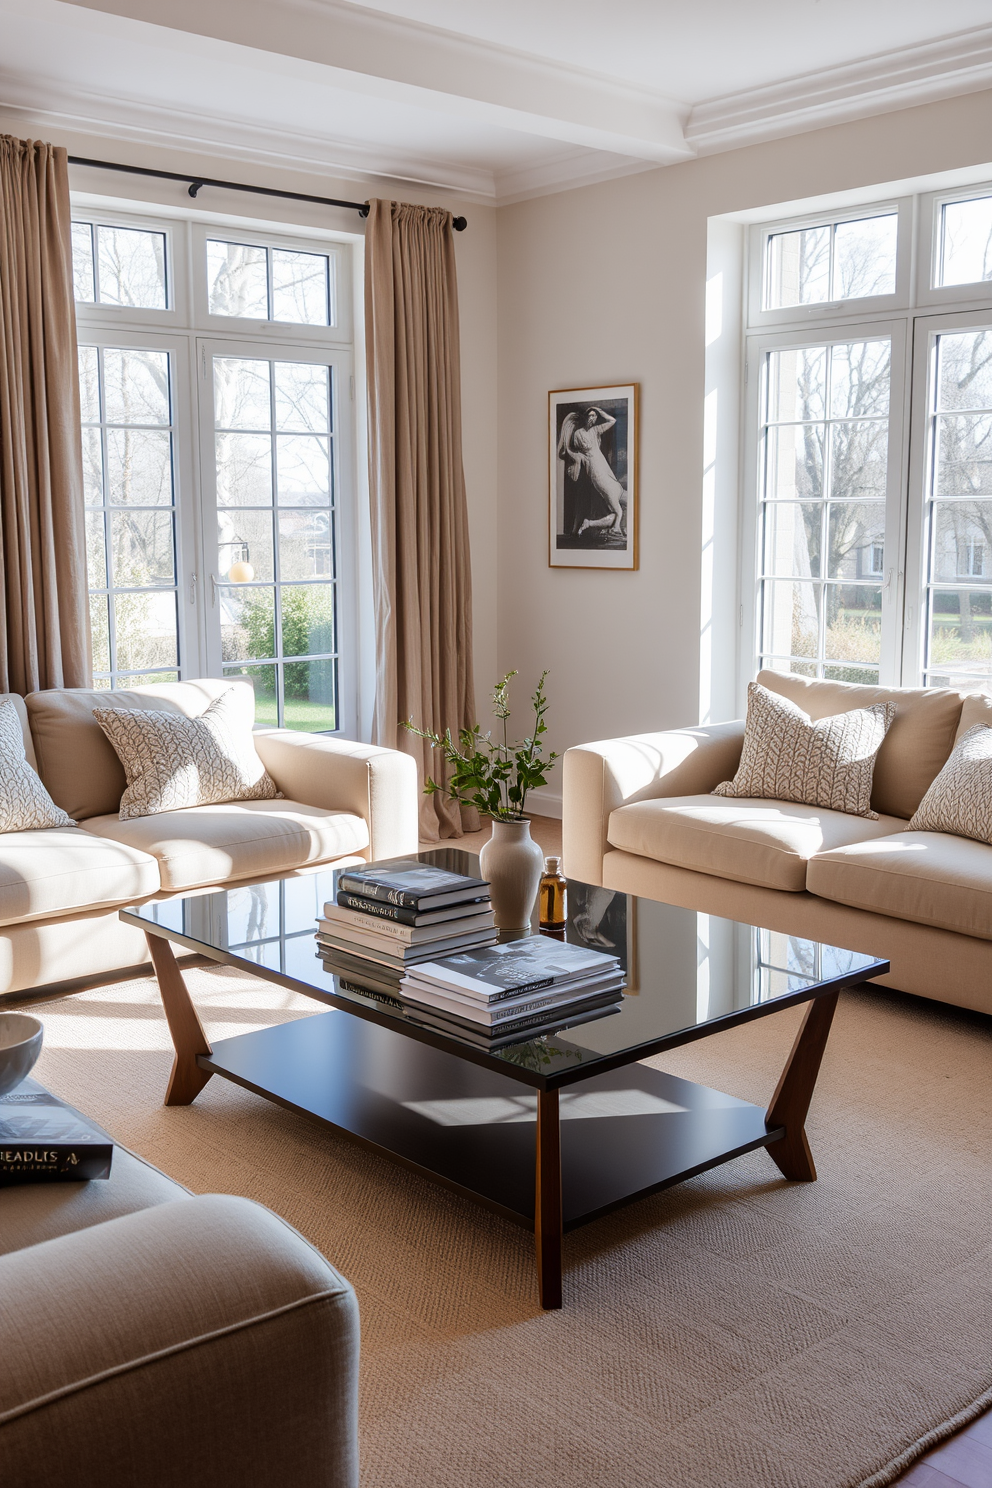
188, 1038
790, 1103
547, 1200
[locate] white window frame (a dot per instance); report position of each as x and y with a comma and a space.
187, 543
921, 311
926, 330
339, 332
757, 347
344, 516
929, 294
178, 308
184, 328
791, 315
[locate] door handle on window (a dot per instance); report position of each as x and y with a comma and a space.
192, 589
213, 589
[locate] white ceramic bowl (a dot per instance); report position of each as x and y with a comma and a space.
20, 1045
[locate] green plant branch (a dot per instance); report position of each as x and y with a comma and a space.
494, 777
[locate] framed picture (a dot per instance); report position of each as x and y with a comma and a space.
592, 435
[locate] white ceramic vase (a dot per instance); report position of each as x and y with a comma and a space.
513, 863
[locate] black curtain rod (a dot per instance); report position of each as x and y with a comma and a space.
195, 184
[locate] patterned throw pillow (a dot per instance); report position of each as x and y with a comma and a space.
24, 802
172, 761
788, 757
960, 799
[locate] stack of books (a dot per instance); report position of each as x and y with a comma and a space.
399, 914
508, 993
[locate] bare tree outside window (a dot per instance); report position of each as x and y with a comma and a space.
825, 472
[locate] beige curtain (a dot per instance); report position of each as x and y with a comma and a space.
44, 628
420, 544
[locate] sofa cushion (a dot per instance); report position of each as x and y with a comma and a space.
916, 745
960, 799
77, 761
210, 844
22, 718
172, 762
64, 871
25, 804
758, 842
930, 877
976, 708
787, 756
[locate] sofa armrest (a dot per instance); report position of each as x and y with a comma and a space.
377, 784
597, 778
202, 1342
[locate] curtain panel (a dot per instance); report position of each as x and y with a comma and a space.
420, 541
44, 625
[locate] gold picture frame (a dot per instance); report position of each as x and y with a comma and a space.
593, 477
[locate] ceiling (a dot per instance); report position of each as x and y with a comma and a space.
496, 99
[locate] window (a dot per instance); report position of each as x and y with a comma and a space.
126, 401
831, 261
869, 558
219, 527
965, 242
825, 440
119, 266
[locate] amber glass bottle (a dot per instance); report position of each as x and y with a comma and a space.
552, 896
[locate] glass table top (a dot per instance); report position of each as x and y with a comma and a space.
685, 973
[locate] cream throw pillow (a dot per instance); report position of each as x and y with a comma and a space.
172, 761
788, 757
960, 799
24, 802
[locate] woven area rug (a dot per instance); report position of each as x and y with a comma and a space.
737, 1332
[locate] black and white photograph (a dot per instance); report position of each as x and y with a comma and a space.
603, 920
593, 508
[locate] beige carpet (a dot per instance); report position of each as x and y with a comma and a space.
738, 1332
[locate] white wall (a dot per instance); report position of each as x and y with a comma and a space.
607, 284
476, 255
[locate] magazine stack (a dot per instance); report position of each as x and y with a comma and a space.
401, 913
512, 992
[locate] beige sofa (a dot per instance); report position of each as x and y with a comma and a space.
639, 817
149, 1339
60, 889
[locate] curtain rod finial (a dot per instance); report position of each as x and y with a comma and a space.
459, 223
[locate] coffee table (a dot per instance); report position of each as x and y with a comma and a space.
552, 1132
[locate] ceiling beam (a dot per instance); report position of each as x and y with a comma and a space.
364, 51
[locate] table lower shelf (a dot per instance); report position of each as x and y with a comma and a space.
624, 1134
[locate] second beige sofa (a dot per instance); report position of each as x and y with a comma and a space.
60, 889
639, 817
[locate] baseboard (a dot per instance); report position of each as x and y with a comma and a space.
544, 802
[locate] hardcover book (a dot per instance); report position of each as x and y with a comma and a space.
391, 954
358, 904
348, 925
43, 1140
522, 1030
492, 1014
527, 965
411, 885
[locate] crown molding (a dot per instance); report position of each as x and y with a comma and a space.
881, 84
231, 138
563, 173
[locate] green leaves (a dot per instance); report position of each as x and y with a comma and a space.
493, 776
